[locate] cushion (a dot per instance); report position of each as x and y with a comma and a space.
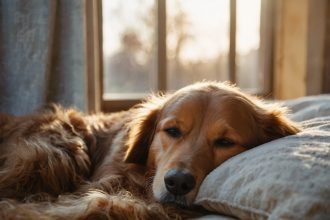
288, 178
309, 107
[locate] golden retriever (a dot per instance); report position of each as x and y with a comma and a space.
144, 163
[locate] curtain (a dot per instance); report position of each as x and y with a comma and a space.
41, 54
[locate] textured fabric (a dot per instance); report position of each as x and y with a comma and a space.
41, 54
288, 178
309, 107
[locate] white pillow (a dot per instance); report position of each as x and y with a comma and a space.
288, 178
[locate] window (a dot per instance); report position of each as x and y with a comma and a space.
151, 45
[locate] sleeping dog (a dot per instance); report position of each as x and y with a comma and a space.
144, 163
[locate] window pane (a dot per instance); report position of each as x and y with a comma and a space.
248, 38
197, 41
129, 47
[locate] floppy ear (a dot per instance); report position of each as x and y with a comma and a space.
142, 130
275, 124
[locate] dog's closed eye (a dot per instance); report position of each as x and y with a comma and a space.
173, 132
223, 143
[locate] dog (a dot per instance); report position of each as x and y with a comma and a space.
144, 163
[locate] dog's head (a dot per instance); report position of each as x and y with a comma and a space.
186, 135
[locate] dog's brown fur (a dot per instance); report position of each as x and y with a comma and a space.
63, 164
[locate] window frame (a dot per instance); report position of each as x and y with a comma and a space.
326, 63
94, 56
301, 49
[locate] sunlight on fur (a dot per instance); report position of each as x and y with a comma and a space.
144, 163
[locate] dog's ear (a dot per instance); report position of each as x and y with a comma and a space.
274, 123
142, 130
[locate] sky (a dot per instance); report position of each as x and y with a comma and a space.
208, 22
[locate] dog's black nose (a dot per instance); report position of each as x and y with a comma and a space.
179, 182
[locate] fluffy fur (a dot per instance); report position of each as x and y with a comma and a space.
62, 164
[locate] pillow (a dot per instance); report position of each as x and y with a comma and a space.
309, 107
288, 178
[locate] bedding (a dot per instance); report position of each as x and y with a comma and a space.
288, 178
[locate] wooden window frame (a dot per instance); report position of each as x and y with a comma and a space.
94, 63
302, 52
93, 54
326, 65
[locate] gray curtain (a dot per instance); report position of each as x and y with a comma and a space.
41, 54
